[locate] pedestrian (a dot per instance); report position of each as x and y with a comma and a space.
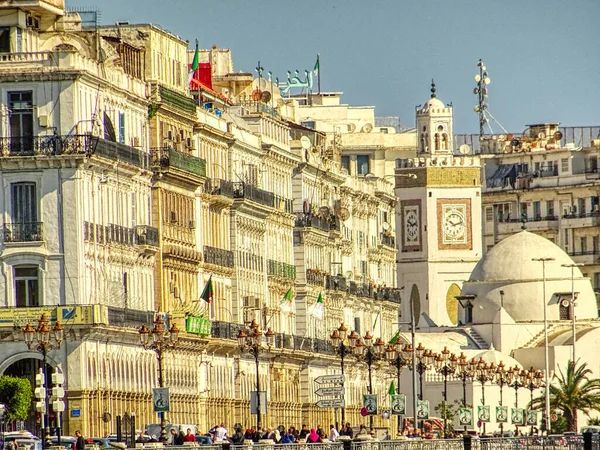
333, 433
180, 438
80, 443
189, 437
313, 437
238, 437
220, 433
304, 432
249, 434
11, 445
347, 431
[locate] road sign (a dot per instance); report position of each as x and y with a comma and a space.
330, 403
330, 379
332, 390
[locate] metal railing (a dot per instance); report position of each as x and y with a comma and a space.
306, 220
50, 145
23, 232
146, 235
281, 269
218, 256
584, 253
548, 218
336, 283
388, 240
389, 294
118, 234
129, 317
283, 204
216, 186
122, 152
314, 277
582, 215
168, 157
249, 192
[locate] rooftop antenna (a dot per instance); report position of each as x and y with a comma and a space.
482, 79
432, 88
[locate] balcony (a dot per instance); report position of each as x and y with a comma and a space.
122, 152
387, 240
315, 277
165, 157
249, 192
585, 257
177, 100
146, 235
360, 290
283, 204
310, 221
51, 145
23, 232
336, 283
581, 220
537, 223
218, 256
281, 269
389, 294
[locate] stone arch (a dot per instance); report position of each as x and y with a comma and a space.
437, 141
416, 302
80, 44
26, 355
452, 303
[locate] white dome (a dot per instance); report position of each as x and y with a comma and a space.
494, 356
434, 103
507, 276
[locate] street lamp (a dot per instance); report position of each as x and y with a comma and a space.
464, 372
43, 339
393, 354
370, 352
546, 357
338, 342
534, 380
518, 380
484, 372
502, 377
445, 364
252, 343
159, 340
572, 303
424, 359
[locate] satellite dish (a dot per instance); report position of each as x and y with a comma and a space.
564, 303
367, 128
351, 128
349, 274
558, 136
344, 214
385, 226
266, 97
515, 142
509, 137
464, 149
324, 211
305, 142
257, 95
541, 135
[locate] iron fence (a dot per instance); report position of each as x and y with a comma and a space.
49, 145
23, 232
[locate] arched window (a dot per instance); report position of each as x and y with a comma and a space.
445, 141
437, 141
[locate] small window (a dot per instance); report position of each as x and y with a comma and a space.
346, 163
310, 124
489, 214
583, 244
357, 325
564, 165
26, 286
550, 208
383, 130
524, 210
537, 210
362, 164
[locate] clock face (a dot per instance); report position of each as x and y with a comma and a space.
454, 224
411, 225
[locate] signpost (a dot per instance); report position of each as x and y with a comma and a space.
332, 390
330, 379
330, 403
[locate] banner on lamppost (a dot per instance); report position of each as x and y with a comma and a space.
516, 416
254, 402
465, 416
398, 404
370, 403
483, 413
422, 409
532, 418
501, 414
160, 399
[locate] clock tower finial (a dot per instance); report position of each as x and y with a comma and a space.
432, 88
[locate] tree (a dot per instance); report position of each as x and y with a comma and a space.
594, 421
573, 391
16, 394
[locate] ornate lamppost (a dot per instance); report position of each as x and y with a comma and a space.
338, 342
159, 340
518, 380
424, 360
501, 378
534, 380
445, 364
485, 372
370, 352
42, 339
252, 343
464, 372
394, 355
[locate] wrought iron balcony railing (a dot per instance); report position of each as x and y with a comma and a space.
23, 232
218, 256
215, 186
281, 269
49, 145
146, 235
336, 283
314, 277
247, 191
389, 294
388, 241
168, 157
307, 220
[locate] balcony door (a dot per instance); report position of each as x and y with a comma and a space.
20, 105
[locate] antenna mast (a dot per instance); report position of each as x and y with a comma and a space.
480, 91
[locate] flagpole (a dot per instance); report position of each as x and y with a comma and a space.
319, 73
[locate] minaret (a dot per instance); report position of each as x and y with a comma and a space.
434, 126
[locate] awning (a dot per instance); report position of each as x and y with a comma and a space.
503, 171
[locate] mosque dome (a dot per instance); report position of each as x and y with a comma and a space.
508, 277
434, 103
494, 356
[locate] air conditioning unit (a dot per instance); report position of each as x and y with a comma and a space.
251, 302
135, 141
33, 22
173, 217
192, 224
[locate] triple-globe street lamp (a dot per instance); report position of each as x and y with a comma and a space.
342, 347
251, 342
501, 378
159, 340
465, 371
485, 372
534, 380
398, 356
43, 339
425, 359
445, 364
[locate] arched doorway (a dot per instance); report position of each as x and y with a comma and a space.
26, 365
452, 303
416, 302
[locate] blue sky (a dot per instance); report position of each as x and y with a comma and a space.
543, 56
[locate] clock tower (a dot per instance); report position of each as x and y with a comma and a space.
438, 218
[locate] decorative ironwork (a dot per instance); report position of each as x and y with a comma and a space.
218, 256
315, 277
23, 232
180, 101
146, 235
281, 269
336, 283
50, 145
249, 192
388, 240
122, 152
306, 221
168, 157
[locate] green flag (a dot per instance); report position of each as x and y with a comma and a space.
394, 340
194, 65
286, 303
207, 293
392, 389
376, 319
317, 309
316, 69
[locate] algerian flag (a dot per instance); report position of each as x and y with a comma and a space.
194, 65
392, 389
286, 303
317, 309
394, 340
207, 293
376, 319
316, 69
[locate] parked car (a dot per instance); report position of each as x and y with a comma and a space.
25, 440
103, 443
68, 442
